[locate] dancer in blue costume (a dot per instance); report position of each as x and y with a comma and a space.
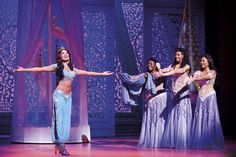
206, 130
65, 72
153, 122
178, 126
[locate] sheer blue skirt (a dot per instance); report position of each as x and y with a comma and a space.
206, 130
153, 122
178, 126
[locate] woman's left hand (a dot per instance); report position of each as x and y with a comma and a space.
107, 73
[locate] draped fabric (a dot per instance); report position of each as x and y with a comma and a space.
126, 53
153, 123
72, 18
188, 36
31, 17
206, 129
133, 87
33, 91
124, 50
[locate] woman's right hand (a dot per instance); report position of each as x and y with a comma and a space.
145, 74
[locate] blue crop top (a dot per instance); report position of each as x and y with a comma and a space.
68, 75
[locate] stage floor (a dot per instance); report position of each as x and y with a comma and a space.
109, 147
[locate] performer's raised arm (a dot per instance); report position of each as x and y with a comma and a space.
36, 69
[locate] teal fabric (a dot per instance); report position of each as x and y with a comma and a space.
61, 118
67, 74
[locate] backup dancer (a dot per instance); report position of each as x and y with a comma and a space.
178, 126
206, 130
153, 122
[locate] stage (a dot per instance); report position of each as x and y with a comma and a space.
110, 147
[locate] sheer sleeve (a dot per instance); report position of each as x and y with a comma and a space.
53, 65
75, 69
196, 74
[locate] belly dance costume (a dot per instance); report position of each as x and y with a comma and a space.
61, 117
153, 122
207, 131
178, 129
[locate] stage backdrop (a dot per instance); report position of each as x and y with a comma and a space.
117, 35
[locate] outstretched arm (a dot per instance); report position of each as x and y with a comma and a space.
177, 71
168, 69
36, 69
209, 76
91, 73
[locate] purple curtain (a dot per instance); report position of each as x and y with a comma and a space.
72, 19
32, 116
31, 17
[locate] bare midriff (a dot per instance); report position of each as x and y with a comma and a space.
65, 86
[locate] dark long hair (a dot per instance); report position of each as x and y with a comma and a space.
60, 66
210, 61
185, 60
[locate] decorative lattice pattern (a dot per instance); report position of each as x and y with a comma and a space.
8, 29
95, 40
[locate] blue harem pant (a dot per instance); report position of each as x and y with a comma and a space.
61, 117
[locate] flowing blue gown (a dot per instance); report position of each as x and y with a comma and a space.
206, 130
178, 126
